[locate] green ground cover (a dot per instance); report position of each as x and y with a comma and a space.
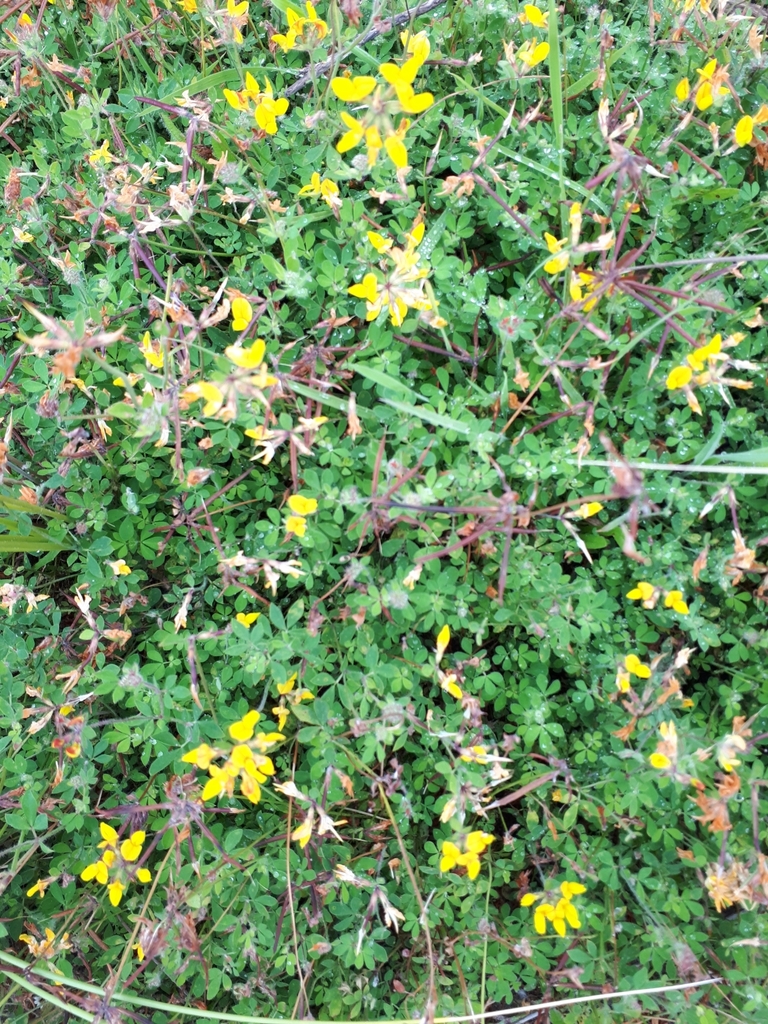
384, 476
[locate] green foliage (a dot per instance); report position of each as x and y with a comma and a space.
397, 510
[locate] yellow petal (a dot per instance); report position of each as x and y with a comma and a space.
301, 505
679, 377
743, 132
350, 90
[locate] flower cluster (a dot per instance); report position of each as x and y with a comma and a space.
290, 697
707, 366
452, 856
222, 405
583, 283
532, 52
47, 948
235, 16
710, 87
263, 105
382, 102
557, 914
246, 759
403, 286
631, 666
303, 33
648, 594
115, 866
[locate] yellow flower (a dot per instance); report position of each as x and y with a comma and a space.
532, 53
443, 639
660, 761
102, 153
633, 664
212, 395
413, 577
478, 841
704, 353
683, 90
268, 109
243, 730
144, 875
137, 947
570, 889
242, 314
115, 890
248, 619
417, 45
120, 567
352, 90
449, 684
201, 756
533, 16
674, 600
99, 870
222, 780
307, 31
152, 351
39, 887
301, 505
475, 755
326, 190
560, 261
642, 592
475, 844
709, 86
23, 237
679, 377
303, 833
297, 525
589, 508
130, 849
245, 358
743, 132
727, 750
238, 13
109, 837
